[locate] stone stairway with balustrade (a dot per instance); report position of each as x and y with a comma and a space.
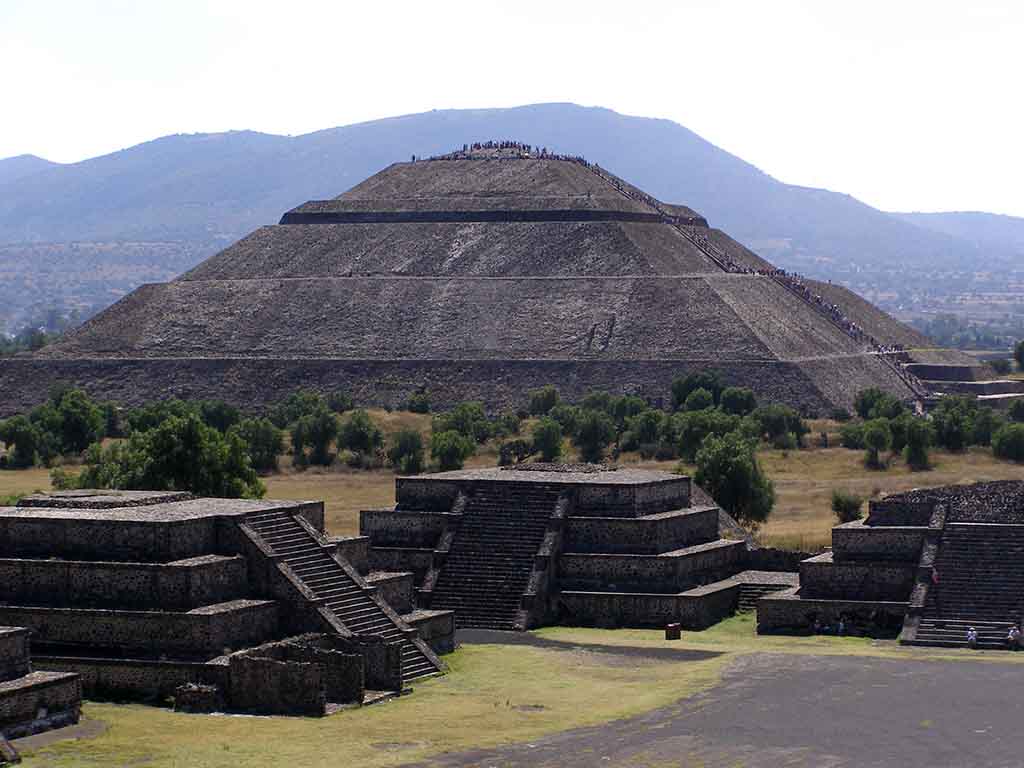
488, 567
341, 588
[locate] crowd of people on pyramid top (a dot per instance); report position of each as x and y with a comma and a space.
515, 149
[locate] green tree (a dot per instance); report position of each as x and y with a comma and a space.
315, 431
1001, 366
681, 388
918, 439
866, 400
567, 416
877, 438
951, 419
593, 433
301, 402
468, 419
542, 400
514, 451
1008, 442
419, 402
886, 407
264, 441
597, 401
182, 454
450, 449
644, 429
152, 415
406, 452
359, 434
693, 427
776, 422
23, 439
1017, 409
698, 400
624, 408
727, 468
738, 401
846, 505
508, 423
1018, 354
340, 401
984, 424
80, 421
547, 439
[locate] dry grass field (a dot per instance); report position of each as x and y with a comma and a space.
803, 479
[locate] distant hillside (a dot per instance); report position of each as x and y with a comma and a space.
12, 168
189, 195
984, 230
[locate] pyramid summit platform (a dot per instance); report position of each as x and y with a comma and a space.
478, 275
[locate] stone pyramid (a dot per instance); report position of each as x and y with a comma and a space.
478, 275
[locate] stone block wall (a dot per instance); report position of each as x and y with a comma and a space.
14, 652
648, 535
651, 573
109, 540
403, 528
899, 512
39, 701
134, 679
857, 541
785, 612
417, 561
175, 586
270, 687
396, 589
703, 607
618, 609
611, 500
354, 549
207, 630
414, 493
821, 577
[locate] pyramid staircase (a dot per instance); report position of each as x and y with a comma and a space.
341, 589
980, 585
490, 561
751, 593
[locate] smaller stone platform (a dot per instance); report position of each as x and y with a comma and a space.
33, 701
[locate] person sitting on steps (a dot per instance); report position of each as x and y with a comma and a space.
1013, 638
972, 638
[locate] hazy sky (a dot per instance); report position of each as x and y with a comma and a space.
906, 105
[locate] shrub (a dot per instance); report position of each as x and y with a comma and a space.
567, 416
1008, 442
692, 427
218, 414
152, 415
358, 433
738, 400
877, 438
918, 439
643, 429
952, 419
846, 505
1001, 366
866, 400
315, 431
182, 454
302, 402
508, 424
514, 451
681, 388
984, 424
468, 419
339, 401
698, 400
841, 415
406, 452
774, 421
597, 401
542, 400
887, 407
264, 441
1017, 410
1018, 354
624, 408
450, 449
23, 440
80, 422
419, 402
547, 439
727, 468
593, 433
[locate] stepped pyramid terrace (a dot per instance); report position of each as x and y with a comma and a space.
925, 565
476, 276
219, 604
535, 544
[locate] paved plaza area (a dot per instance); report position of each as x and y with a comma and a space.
786, 710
